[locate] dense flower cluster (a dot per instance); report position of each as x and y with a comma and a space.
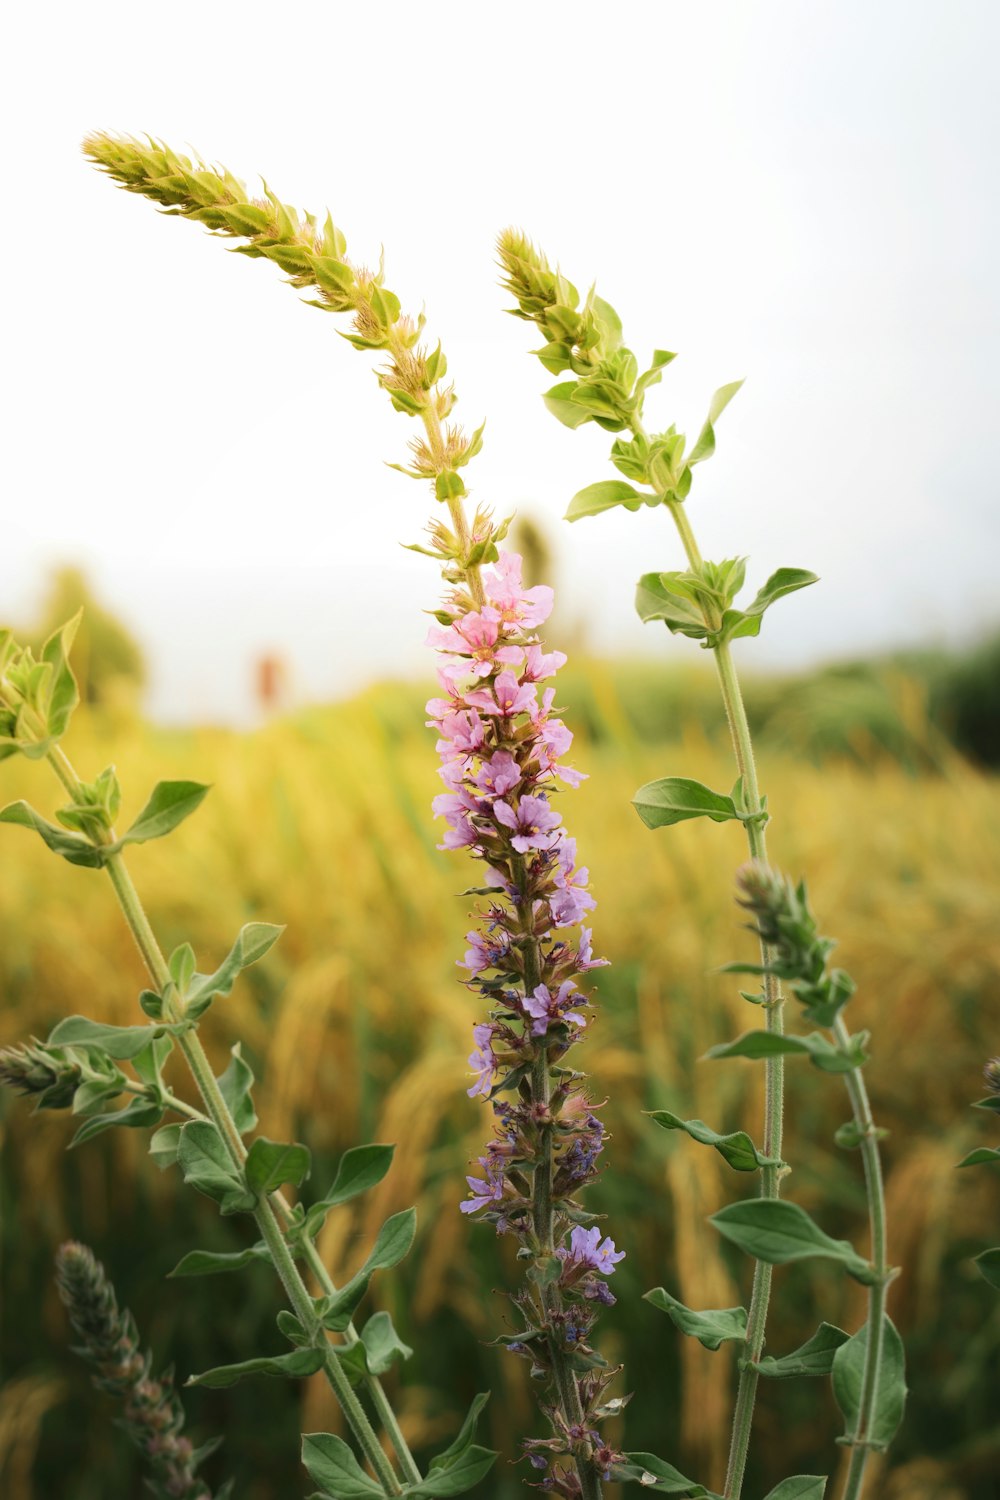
501, 746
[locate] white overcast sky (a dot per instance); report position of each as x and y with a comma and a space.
804, 194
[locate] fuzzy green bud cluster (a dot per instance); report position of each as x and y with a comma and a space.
797, 953
37, 693
152, 1413
51, 1075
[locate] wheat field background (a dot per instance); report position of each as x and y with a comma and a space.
358, 1029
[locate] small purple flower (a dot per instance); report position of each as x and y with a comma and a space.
485, 1190
545, 1007
584, 1250
482, 1062
532, 822
585, 953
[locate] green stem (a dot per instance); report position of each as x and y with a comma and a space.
774, 1078
221, 1116
859, 1439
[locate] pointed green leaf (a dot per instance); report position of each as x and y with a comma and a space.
63, 692
137, 1114
337, 1310
170, 802
382, 1344
466, 1433
294, 1366
661, 1478
981, 1156
988, 1264
814, 1357
673, 799
560, 403
747, 622
216, 1263
236, 1083
252, 942
269, 1164
120, 1042
736, 1148
848, 1375
392, 1242
360, 1168
205, 1161
164, 1145
705, 446
655, 600
332, 1465
77, 850
455, 1478
778, 1232
826, 1056
713, 1327
604, 496
799, 1487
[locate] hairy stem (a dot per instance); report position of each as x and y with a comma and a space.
221, 1116
774, 1078
859, 1439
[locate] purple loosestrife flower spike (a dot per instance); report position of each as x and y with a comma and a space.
501, 747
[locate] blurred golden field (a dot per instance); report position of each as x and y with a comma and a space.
358, 1029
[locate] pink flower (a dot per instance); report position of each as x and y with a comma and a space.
519, 608
507, 699
533, 822
538, 666
498, 775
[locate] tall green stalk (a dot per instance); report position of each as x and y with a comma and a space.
221, 1116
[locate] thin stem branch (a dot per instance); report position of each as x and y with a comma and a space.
218, 1111
774, 1078
859, 1439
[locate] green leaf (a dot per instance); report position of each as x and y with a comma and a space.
292, 1329
63, 692
799, 1487
337, 1310
236, 1083
736, 1148
205, 1161
711, 1328
818, 1048
674, 799
392, 1242
560, 404
465, 1436
705, 446
164, 1145
890, 1401
604, 496
359, 1169
382, 1344
77, 850
252, 942
271, 1163
216, 1263
120, 1042
814, 1357
655, 600
980, 1156
661, 1478
332, 1465
294, 1366
988, 1264
463, 1473
137, 1114
170, 802
747, 622
778, 1232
